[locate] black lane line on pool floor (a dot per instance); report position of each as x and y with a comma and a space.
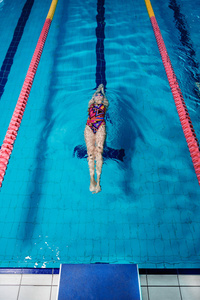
80, 151
8, 61
100, 34
181, 25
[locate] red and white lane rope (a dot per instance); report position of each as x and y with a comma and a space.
16, 119
184, 117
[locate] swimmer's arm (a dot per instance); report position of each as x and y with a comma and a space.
90, 102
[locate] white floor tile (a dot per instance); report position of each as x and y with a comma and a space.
54, 293
191, 293
164, 293
162, 280
37, 279
10, 279
143, 280
9, 292
189, 280
144, 293
55, 279
34, 293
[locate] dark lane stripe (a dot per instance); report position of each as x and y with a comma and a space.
108, 153
8, 61
185, 40
101, 63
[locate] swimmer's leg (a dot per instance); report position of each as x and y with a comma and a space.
100, 139
90, 143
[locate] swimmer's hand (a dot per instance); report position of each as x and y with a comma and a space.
101, 88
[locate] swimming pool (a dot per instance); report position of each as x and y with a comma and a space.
148, 210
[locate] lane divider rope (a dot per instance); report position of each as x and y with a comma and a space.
184, 117
11, 134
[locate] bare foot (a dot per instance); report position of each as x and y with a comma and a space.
92, 185
97, 189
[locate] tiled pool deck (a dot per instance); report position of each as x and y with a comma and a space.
23, 284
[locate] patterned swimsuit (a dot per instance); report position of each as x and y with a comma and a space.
96, 116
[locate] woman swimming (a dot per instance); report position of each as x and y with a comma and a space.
95, 134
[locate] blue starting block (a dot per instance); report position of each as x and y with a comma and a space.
99, 282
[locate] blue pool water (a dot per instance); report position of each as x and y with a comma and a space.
148, 210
